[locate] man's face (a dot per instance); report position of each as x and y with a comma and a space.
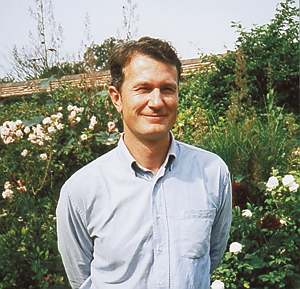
148, 98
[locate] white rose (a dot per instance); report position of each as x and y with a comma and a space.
18, 122
111, 126
8, 140
57, 116
51, 129
70, 107
19, 133
217, 284
32, 137
247, 213
39, 131
22, 189
47, 120
288, 180
293, 187
4, 131
235, 248
72, 114
43, 157
93, 121
8, 194
80, 109
272, 183
24, 153
7, 185
12, 126
283, 222
27, 129
83, 137
59, 126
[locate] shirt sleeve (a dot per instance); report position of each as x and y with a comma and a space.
221, 226
74, 243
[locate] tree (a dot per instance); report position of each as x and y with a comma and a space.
270, 53
272, 56
96, 56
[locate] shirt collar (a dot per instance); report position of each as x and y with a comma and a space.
131, 164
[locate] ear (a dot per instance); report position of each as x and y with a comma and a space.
116, 99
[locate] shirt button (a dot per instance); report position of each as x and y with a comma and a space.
158, 216
160, 248
161, 282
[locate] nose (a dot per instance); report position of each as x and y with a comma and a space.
156, 99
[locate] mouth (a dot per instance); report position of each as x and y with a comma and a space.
155, 116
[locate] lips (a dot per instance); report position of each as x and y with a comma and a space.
155, 115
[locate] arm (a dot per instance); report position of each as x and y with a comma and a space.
74, 243
221, 226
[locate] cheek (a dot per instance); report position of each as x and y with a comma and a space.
172, 103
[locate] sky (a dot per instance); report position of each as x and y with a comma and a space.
192, 26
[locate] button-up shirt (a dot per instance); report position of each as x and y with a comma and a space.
121, 226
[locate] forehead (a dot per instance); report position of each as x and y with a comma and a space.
142, 65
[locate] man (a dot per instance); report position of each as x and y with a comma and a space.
153, 212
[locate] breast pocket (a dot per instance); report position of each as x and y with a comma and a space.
195, 232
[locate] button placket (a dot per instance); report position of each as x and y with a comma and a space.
160, 237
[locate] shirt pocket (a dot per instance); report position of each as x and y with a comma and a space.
196, 232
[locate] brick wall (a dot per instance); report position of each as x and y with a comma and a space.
96, 79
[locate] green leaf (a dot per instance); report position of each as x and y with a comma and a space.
50, 103
44, 83
34, 121
101, 137
101, 93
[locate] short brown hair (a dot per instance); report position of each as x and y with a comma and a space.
158, 49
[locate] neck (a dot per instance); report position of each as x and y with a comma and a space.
149, 153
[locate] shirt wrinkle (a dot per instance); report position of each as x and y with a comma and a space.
133, 229
76, 207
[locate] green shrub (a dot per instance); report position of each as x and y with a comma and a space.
45, 138
268, 235
270, 56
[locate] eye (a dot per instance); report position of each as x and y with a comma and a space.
168, 89
143, 89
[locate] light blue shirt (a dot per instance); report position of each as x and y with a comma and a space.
121, 226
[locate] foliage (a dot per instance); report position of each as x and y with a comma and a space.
250, 143
222, 108
45, 138
35, 61
269, 235
270, 54
96, 56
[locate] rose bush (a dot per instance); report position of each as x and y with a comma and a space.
44, 139
73, 127
264, 240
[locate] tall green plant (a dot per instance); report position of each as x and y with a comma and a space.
44, 139
272, 56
